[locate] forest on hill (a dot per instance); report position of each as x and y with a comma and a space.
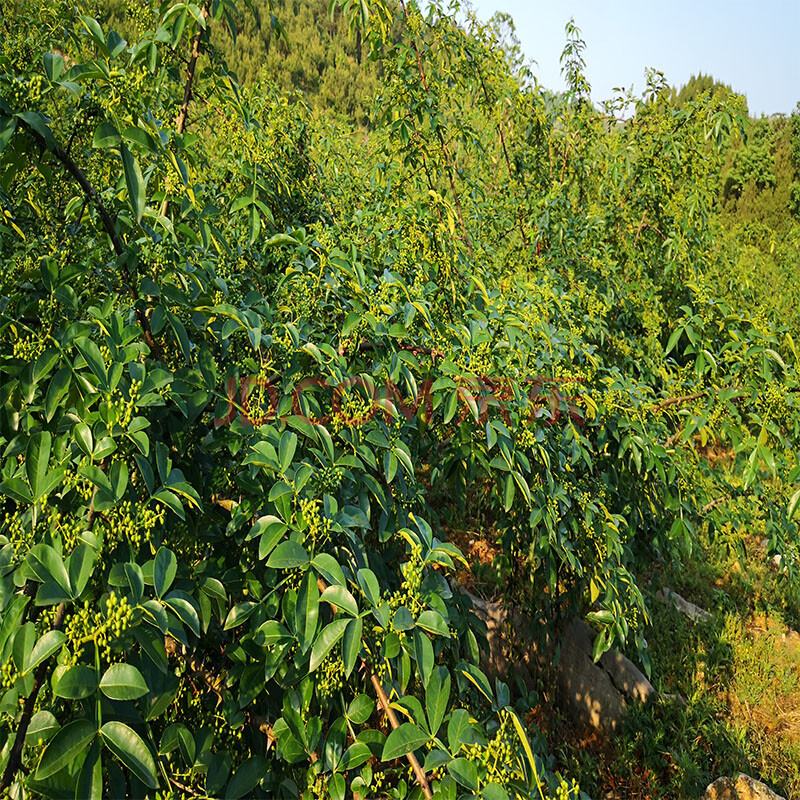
324, 328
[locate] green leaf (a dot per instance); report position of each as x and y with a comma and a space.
43, 726
239, 614
59, 386
135, 578
337, 785
494, 791
281, 238
96, 32
123, 682
38, 123
91, 353
508, 497
794, 504
423, 653
433, 622
180, 603
339, 596
165, 568
37, 458
131, 750
272, 632
16, 488
405, 739
246, 777
601, 644
360, 709
53, 66
24, 641
81, 565
673, 340
355, 755
327, 638
136, 135
465, 772
307, 611
70, 742
351, 322
90, 779
75, 682
458, 729
83, 437
351, 644
437, 696
46, 361
49, 643
288, 555
218, 770
134, 181
106, 136
369, 585
287, 448
46, 565
602, 617
478, 680
327, 566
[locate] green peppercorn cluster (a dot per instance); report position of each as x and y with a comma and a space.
132, 524
104, 629
8, 675
771, 404
565, 791
28, 346
317, 526
329, 677
20, 533
500, 755
408, 595
353, 411
329, 479
83, 487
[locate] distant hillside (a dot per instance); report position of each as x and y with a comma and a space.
317, 56
294, 46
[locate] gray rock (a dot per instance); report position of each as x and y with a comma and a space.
742, 787
627, 677
686, 608
585, 687
596, 694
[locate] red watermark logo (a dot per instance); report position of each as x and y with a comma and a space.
476, 395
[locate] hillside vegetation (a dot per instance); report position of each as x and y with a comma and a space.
293, 312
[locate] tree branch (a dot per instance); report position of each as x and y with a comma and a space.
15, 757
671, 401
440, 137
183, 114
419, 773
109, 226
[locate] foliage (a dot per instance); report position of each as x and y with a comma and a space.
252, 361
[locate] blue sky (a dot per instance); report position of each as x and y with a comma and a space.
752, 46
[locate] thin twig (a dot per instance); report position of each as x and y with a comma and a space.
419, 773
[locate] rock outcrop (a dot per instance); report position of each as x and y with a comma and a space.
686, 608
595, 693
742, 787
